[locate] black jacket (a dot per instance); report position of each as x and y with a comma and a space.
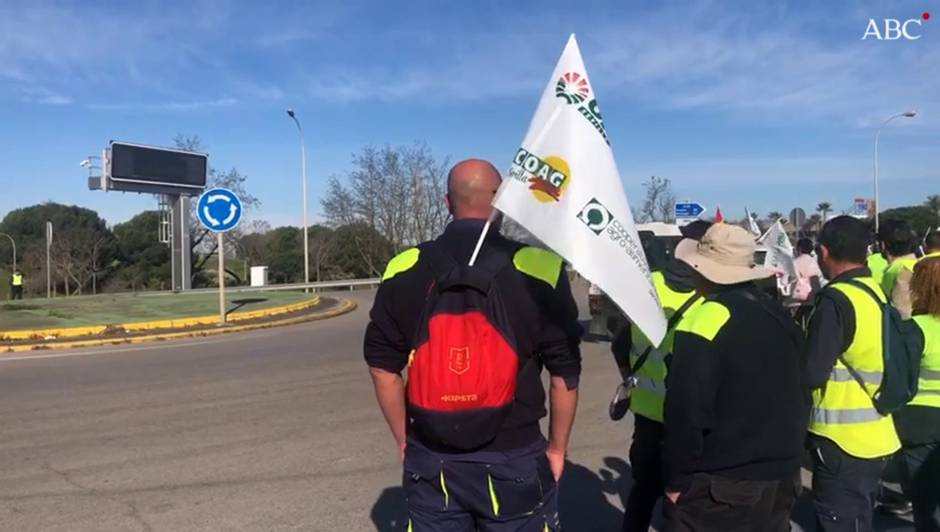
736, 406
544, 320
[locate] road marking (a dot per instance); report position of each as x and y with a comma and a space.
64, 354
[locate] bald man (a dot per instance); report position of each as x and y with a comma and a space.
489, 468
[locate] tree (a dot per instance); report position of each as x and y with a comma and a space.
933, 203
361, 251
773, 216
143, 262
921, 218
80, 244
398, 192
824, 208
660, 201
322, 243
285, 259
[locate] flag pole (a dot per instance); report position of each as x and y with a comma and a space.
486, 229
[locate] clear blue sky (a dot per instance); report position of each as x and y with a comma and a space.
770, 105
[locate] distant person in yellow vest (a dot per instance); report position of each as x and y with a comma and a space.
16, 285
876, 263
898, 242
675, 286
849, 439
918, 424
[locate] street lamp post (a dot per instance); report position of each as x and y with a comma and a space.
303, 164
13, 243
905, 114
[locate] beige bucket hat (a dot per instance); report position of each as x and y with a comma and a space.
725, 255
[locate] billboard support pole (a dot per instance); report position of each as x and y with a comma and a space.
179, 242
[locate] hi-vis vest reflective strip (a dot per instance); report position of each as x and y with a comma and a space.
877, 264
928, 388
650, 392
17, 280
891, 274
842, 411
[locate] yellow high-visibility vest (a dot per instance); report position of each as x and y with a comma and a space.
650, 391
17, 279
877, 264
843, 410
928, 387
894, 269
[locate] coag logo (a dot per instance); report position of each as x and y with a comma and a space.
892, 29
548, 178
573, 88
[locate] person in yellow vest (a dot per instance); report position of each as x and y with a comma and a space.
918, 423
849, 439
675, 286
16, 285
877, 264
898, 242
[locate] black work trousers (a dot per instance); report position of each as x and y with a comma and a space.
16, 292
646, 464
844, 487
712, 502
921, 483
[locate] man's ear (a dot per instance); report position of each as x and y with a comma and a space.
450, 205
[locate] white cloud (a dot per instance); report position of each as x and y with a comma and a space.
165, 106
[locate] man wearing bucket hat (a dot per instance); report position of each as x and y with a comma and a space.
736, 410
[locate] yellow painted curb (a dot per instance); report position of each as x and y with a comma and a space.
344, 306
72, 332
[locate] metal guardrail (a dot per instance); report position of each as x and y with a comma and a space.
350, 284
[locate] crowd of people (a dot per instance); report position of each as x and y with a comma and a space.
727, 408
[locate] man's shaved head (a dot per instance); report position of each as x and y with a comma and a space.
471, 186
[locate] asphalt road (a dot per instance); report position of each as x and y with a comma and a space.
269, 430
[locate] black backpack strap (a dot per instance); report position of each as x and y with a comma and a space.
673, 321
867, 289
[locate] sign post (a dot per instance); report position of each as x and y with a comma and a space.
221, 278
687, 212
219, 211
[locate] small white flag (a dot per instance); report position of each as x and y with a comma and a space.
564, 187
751, 223
779, 251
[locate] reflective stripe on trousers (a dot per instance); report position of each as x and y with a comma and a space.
845, 416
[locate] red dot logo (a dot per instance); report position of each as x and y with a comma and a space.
925, 16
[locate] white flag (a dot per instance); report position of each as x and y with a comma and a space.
563, 186
751, 223
779, 251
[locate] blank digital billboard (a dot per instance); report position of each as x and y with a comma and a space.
159, 166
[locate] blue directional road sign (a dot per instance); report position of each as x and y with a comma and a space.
689, 210
219, 210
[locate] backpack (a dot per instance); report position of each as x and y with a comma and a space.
901, 358
464, 365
